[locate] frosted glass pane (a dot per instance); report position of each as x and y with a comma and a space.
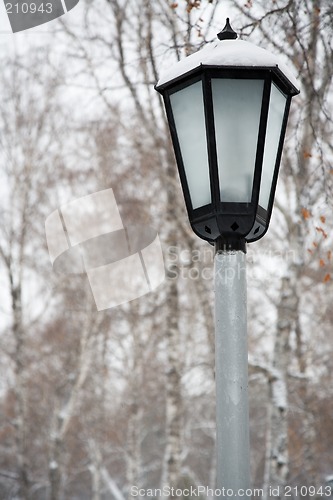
188, 112
277, 106
237, 107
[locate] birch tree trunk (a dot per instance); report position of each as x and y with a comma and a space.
134, 425
173, 376
133, 448
21, 403
64, 415
277, 446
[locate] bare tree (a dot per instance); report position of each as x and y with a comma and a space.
306, 185
157, 26
29, 133
99, 401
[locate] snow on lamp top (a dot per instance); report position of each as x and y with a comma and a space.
227, 52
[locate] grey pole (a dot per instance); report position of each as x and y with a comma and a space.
231, 365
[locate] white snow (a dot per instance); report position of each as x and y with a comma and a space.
227, 53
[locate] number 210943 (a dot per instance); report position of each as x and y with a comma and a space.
28, 8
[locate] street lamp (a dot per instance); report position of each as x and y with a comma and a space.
227, 106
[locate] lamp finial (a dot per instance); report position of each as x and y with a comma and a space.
227, 33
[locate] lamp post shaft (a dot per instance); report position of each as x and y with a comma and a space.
232, 408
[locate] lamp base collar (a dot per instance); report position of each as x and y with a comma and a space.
230, 243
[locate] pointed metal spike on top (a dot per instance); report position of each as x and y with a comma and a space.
227, 33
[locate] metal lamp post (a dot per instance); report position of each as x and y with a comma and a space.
227, 106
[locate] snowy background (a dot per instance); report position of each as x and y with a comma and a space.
92, 402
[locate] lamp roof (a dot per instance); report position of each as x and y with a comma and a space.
231, 53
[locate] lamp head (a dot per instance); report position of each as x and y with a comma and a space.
227, 106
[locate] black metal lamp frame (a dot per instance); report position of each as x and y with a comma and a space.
231, 222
